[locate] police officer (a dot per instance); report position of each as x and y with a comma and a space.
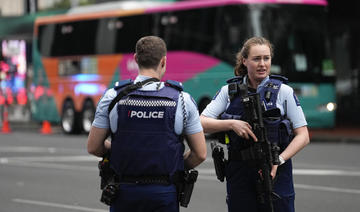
288, 130
147, 126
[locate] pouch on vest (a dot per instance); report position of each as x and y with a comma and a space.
286, 133
272, 119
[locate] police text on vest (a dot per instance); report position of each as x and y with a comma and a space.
147, 114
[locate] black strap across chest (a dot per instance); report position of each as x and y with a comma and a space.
128, 89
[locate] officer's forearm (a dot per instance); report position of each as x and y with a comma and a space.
192, 160
212, 125
97, 144
197, 152
300, 140
99, 152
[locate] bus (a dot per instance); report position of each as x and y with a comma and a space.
80, 54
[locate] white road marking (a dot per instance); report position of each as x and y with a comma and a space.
31, 149
326, 188
53, 166
204, 173
68, 158
45, 162
325, 172
57, 205
309, 172
18, 149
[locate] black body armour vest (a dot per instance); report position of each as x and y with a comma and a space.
278, 127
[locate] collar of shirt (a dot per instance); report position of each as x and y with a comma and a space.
245, 79
150, 85
262, 84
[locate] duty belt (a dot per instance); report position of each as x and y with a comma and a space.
160, 179
242, 154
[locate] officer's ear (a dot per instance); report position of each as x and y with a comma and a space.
135, 58
163, 62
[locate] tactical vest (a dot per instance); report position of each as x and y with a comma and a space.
278, 127
145, 143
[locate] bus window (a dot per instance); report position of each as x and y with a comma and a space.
189, 30
129, 30
77, 65
298, 40
68, 39
46, 39
232, 30
106, 35
69, 67
75, 38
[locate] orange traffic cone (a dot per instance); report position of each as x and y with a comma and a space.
46, 128
5, 127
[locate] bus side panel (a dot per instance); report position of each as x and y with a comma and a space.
206, 84
77, 88
201, 75
43, 102
314, 99
108, 68
180, 65
81, 86
51, 69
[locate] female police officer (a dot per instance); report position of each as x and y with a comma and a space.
253, 68
146, 127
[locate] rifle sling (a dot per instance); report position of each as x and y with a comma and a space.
129, 89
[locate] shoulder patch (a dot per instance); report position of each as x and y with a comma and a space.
296, 100
193, 100
175, 84
281, 78
122, 83
217, 93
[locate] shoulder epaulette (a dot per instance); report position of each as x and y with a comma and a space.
174, 84
235, 79
122, 83
281, 78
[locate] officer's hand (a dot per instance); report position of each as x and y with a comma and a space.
243, 129
273, 171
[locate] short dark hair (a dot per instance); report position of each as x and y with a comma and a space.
149, 51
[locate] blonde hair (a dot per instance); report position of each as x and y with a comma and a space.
240, 69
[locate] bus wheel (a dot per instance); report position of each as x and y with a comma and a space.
68, 118
203, 103
87, 116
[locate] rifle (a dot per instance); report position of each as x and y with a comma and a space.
266, 154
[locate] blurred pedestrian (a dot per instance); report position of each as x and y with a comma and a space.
286, 126
147, 125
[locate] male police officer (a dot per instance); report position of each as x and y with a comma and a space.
146, 126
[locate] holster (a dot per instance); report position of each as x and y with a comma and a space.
219, 160
105, 172
109, 181
110, 192
185, 185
